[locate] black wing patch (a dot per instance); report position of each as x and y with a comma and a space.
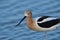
49, 24
42, 18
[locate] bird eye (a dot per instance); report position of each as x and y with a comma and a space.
28, 13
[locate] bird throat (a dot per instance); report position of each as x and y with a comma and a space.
29, 19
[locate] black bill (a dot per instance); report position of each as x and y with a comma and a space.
21, 20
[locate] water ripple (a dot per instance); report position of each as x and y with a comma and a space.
11, 12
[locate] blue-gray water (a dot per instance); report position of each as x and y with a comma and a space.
11, 11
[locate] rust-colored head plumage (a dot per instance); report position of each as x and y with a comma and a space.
28, 13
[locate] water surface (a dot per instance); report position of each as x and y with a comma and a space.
11, 11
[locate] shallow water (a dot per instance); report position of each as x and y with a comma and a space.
11, 11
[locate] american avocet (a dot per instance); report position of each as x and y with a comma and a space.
44, 23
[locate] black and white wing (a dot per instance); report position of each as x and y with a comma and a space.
47, 21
